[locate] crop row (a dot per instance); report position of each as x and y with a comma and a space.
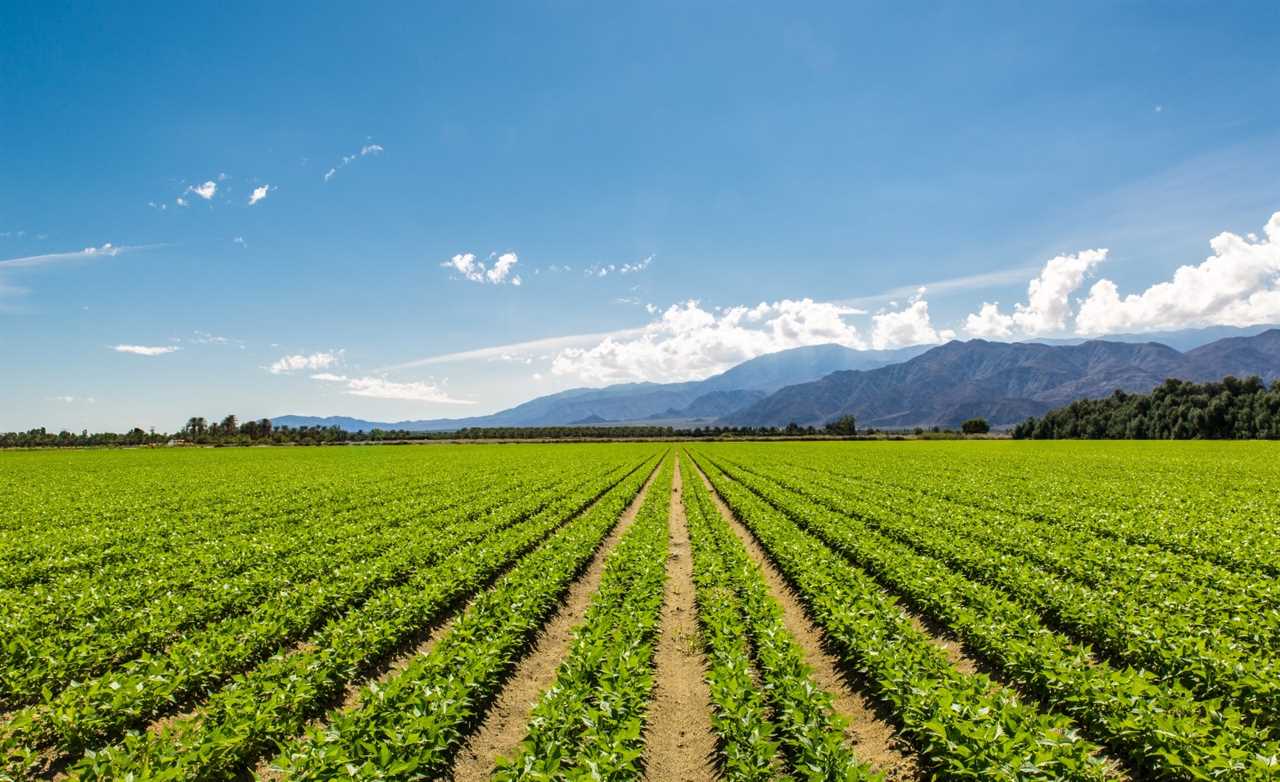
965, 726
36, 661
1122, 625
589, 723
271, 703
745, 639
1208, 500
100, 709
1192, 597
409, 727
1159, 728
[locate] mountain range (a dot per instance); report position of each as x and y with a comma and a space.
919, 386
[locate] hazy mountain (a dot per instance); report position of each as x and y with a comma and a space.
714, 397
1004, 382
1184, 339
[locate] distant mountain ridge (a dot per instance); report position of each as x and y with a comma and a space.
919, 386
692, 401
1004, 382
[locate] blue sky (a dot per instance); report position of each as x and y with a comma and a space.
764, 176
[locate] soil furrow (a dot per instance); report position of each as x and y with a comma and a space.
679, 744
874, 739
506, 723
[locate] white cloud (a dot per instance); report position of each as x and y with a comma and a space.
259, 193
381, 388
145, 350
180, 201
107, 250
989, 323
476, 271
205, 191
639, 266
293, 363
502, 268
206, 338
909, 326
1048, 306
1239, 285
365, 151
240, 241
689, 343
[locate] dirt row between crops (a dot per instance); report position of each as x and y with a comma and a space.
507, 721
424, 642
873, 739
679, 745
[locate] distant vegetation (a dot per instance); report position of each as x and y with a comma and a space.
1233, 409
231, 432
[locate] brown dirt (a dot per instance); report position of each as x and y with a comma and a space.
506, 723
874, 740
416, 647
679, 745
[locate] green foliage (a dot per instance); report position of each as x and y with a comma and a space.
1177, 410
588, 725
975, 426
844, 426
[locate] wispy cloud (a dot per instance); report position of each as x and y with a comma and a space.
940, 288
146, 350
107, 250
515, 348
365, 151
381, 388
15, 265
604, 270
293, 363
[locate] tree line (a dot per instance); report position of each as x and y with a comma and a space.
1232, 409
230, 431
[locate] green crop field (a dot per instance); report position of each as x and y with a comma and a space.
974, 610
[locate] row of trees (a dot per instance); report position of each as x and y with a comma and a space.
231, 431
1177, 410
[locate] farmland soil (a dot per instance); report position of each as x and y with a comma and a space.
506, 723
874, 740
678, 743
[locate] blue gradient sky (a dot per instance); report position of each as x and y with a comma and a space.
749, 153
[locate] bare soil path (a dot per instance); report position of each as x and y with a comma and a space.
507, 720
874, 740
679, 745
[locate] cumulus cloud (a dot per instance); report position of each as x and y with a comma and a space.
180, 201
1048, 306
205, 191
908, 326
293, 363
690, 343
259, 193
989, 323
476, 271
145, 350
1239, 285
381, 388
